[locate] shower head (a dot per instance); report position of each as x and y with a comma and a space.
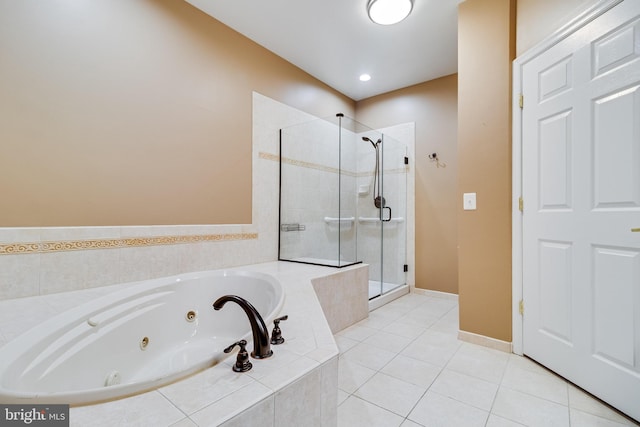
375, 144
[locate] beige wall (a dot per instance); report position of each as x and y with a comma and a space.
537, 19
433, 108
171, 88
485, 50
486, 46
119, 112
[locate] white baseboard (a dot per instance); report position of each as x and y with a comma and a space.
435, 294
485, 341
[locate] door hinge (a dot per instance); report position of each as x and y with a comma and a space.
521, 204
406, 160
405, 268
521, 307
521, 101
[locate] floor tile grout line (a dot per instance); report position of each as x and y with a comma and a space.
500, 384
495, 397
605, 404
397, 353
441, 369
376, 405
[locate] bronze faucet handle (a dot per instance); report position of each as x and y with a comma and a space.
276, 335
242, 361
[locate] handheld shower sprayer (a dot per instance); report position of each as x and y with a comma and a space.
378, 200
375, 144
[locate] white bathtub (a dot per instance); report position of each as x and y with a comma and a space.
145, 336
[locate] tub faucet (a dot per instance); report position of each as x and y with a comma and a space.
261, 347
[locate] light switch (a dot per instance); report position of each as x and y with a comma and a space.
469, 201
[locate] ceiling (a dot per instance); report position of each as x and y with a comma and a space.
336, 42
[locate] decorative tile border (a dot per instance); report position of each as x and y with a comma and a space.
83, 245
310, 165
302, 163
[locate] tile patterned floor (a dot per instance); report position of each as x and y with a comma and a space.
404, 366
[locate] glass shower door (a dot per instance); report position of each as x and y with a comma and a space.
393, 215
317, 193
387, 218
382, 212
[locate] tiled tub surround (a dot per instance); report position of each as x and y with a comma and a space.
145, 336
41, 261
297, 386
344, 296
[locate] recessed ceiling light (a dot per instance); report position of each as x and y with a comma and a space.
365, 77
388, 12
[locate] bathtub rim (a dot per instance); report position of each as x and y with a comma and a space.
20, 345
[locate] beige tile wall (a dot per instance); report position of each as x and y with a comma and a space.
344, 296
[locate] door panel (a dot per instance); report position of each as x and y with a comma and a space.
581, 187
555, 290
555, 79
616, 274
555, 161
616, 48
617, 177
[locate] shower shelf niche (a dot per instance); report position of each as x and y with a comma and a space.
376, 219
342, 221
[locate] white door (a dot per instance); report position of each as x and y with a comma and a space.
581, 191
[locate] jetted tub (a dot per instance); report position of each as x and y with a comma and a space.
142, 337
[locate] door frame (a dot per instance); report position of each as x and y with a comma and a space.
571, 27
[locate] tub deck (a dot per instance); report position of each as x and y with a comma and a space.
280, 389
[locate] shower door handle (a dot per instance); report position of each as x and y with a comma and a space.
388, 219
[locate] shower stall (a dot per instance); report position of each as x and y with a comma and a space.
343, 199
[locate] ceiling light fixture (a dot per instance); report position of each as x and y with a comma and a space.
365, 77
388, 12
